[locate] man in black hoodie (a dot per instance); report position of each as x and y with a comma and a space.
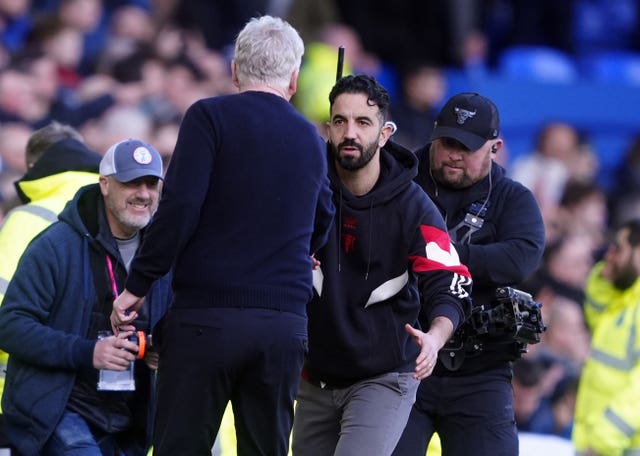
498, 231
387, 259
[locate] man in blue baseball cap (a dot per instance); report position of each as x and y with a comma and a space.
58, 303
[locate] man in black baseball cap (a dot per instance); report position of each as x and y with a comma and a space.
468, 118
498, 233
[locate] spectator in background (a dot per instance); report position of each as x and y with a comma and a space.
63, 44
14, 137
86, 18
582, 211
624, 197
53, 102
564, 270
318, 72
309, 17
58, 163
17, 99
13, 141
531, 406
559, 157
543, 397
607, 413
248, 156
116, 123
423, 89
15, 24
566, 339
130, 27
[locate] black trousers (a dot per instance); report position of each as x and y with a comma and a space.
208, 357
473, 415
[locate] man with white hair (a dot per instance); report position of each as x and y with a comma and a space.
246, 202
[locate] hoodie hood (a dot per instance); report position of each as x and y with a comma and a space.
398, 168
86, 214
63, 156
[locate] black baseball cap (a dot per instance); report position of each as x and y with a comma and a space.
469, 118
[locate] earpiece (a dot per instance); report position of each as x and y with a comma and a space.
391, 124
494, 148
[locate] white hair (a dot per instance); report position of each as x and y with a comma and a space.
268, 50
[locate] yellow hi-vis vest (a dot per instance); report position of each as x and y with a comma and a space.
602, 297
607, 413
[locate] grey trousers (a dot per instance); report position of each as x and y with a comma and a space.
365, 419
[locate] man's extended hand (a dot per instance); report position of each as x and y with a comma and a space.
124, 311
426, 360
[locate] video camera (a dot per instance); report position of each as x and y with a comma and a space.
511, 313
514, 313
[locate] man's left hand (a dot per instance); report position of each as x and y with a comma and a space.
426, 360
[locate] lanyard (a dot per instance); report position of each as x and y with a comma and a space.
112, 277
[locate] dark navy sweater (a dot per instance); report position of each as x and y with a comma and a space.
246, 200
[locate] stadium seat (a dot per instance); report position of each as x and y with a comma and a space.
618, 67
537, 63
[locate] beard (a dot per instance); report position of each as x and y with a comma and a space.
129, 220
625, 277
456, 182
355, 163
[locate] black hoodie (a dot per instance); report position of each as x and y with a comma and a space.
388, 256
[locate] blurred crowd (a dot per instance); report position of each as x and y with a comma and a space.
114, 69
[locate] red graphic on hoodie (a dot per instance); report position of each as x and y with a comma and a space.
349, 240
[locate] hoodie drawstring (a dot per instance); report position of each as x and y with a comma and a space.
366, 275
339, 231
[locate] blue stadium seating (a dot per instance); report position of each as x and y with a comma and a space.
537, 63
613, 67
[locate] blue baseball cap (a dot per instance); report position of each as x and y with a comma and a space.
131, 159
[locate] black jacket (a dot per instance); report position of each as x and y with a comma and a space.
503, 252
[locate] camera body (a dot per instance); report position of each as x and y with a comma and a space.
512, 313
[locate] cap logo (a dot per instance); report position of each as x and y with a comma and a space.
142, 155
463, 115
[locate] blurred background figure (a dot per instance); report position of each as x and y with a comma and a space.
414, 110
606, 413
624, 197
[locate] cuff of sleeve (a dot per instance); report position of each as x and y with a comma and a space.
138, 285
83, 353
447, 311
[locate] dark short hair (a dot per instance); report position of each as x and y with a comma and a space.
634, 231
42, 139
376, 94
